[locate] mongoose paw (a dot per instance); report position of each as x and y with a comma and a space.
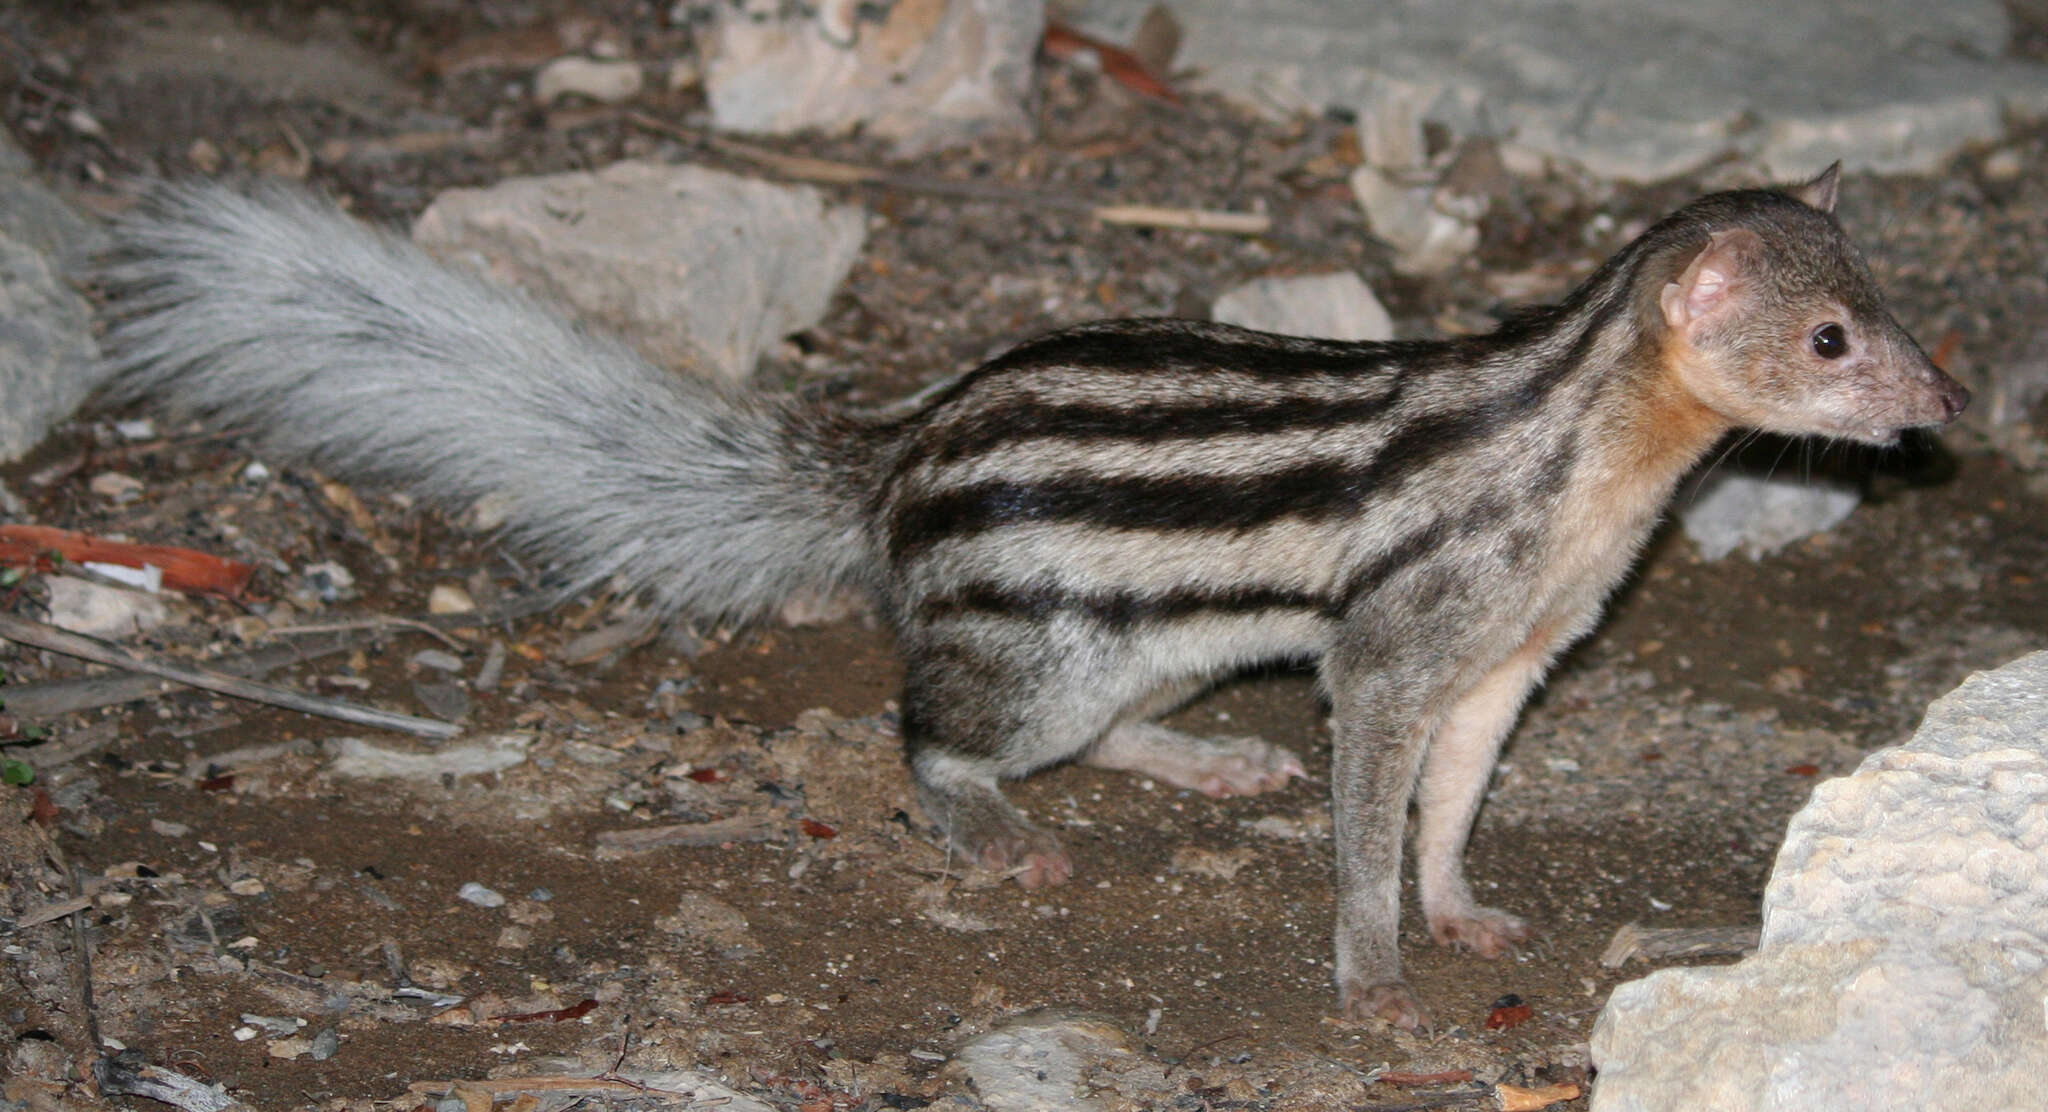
1029, 855
1483, 930
1216, 767
1392, 1001
1243, 766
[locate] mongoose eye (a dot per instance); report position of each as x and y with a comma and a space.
1830, 341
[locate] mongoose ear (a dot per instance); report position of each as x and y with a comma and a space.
1820, 192
1716, 282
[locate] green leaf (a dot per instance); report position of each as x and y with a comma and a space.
16, 772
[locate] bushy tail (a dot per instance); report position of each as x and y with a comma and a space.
349, 349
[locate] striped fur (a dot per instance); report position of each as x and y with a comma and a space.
1090, 528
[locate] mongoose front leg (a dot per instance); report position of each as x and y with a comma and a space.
1455, 772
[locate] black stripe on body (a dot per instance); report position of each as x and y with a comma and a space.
1145, 423
1181, 345
1316, 491
1311, 492
1119, 611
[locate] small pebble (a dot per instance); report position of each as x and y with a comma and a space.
2003, 164
481, 896
448, 598
116, 487
438, 659
324, 1044
330, 581
607, 82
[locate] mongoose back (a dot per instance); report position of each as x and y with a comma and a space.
1087, 530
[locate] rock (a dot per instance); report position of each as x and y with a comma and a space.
31, 215
701, 269
450, 598
1632, 89
1727, 511
48, 361
449, 702
1430, 228
200, 41
921, 73
1904, 954
607, 81
689, 1089
1045, 1061
358, 758
97, 610
480, 895
1334, 306
440, 660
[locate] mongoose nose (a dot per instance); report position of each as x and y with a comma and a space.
1954, 396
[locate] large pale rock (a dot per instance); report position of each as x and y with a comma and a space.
48, 361
35, 217
923, 73
1760, 515
1904, 956
701, 269
1631, 89
1334, 306
1431, 228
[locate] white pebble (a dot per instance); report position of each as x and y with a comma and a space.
481, 896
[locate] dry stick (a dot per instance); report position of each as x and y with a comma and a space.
717, 832
1480, 1096
376, 622
825, 171
55, 697
13, 627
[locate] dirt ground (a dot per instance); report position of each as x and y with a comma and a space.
263, 918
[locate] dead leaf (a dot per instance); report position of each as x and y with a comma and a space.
1514, 1098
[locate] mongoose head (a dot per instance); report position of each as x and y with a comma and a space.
1774, 321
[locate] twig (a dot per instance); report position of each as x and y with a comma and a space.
1650, 943
47, 700
16, 628
82, 947
738, 828
55, 909
1192, 1051
824, 171
502, 1086
374, 622
55, 697
1480, 1096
